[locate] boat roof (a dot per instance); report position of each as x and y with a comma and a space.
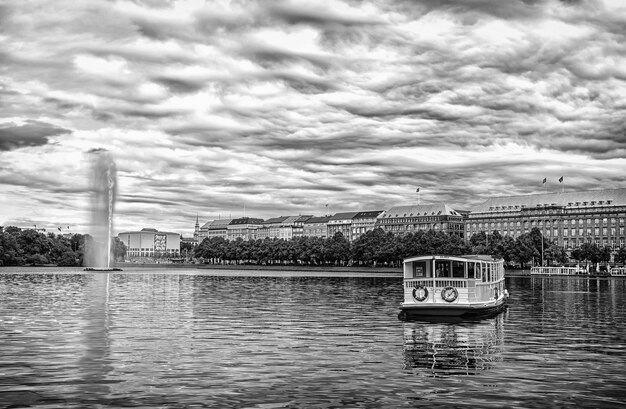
466, 257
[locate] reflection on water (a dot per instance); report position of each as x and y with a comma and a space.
202, 338
454, 349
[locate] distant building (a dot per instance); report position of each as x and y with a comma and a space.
316, 227
218, 228
244, 228
363, 222
283, 227
569, 218
297, 227
150, 243
270, 228
437, 217
341, 223
196, 231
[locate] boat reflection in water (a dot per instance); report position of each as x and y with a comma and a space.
462, 348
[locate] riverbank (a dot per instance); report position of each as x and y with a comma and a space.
378, 270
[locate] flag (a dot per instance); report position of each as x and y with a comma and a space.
544, 181
418, 190
561, 179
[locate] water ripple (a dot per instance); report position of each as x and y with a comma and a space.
196, 338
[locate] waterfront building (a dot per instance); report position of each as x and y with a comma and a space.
316, 227
150, 243
244, 228
569, 218
437, 217
270, 228
297, 228
363, 222
341, 223
218, 228
189, 240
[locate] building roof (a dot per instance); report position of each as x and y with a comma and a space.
318, 219
439, 209
275, 220
343, 216
368, 214
246, 220
148, 230
303, 218
611, 197
218, 224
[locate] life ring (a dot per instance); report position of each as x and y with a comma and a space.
420, 293
449, 294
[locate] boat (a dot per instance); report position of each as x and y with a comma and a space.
102, 269
453, 286
617, 272
558, 271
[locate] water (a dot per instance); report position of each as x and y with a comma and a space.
202, 338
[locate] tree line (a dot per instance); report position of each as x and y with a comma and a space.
19, 247
374, 248
377, 247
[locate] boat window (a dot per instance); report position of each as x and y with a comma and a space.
458, 269
483, 271
470, 270
419, 269
442, 268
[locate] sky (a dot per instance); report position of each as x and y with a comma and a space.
222, 109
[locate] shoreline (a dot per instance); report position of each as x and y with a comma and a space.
320, 269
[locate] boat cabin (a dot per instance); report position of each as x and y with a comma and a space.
452, 279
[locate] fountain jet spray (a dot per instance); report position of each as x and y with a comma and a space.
103, 192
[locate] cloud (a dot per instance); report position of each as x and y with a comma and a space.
29, 134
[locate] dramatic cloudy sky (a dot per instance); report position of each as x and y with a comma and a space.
278, 108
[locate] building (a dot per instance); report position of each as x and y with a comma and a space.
270, 228
569, 218
437, 217
150, 243
363, 222
244, 228
341, 223
216, 228
316, 227
283, 227
297, 227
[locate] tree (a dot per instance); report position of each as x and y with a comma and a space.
620, 257
118, 248
525, 250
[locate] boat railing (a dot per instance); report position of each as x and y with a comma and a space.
557, 270
438, 283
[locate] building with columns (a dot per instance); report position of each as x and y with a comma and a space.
569, 218
437, 217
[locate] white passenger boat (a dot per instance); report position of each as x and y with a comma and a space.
453, 286
617, 272
558, 271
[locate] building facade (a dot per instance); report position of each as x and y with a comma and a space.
341, 223
569, 219
216, 228
316, 227
363, 222
437, 217
244, 228
150, 243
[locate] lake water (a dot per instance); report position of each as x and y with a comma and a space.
213, 338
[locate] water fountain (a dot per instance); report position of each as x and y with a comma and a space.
103, 191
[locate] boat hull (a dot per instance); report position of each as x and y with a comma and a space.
477, 310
